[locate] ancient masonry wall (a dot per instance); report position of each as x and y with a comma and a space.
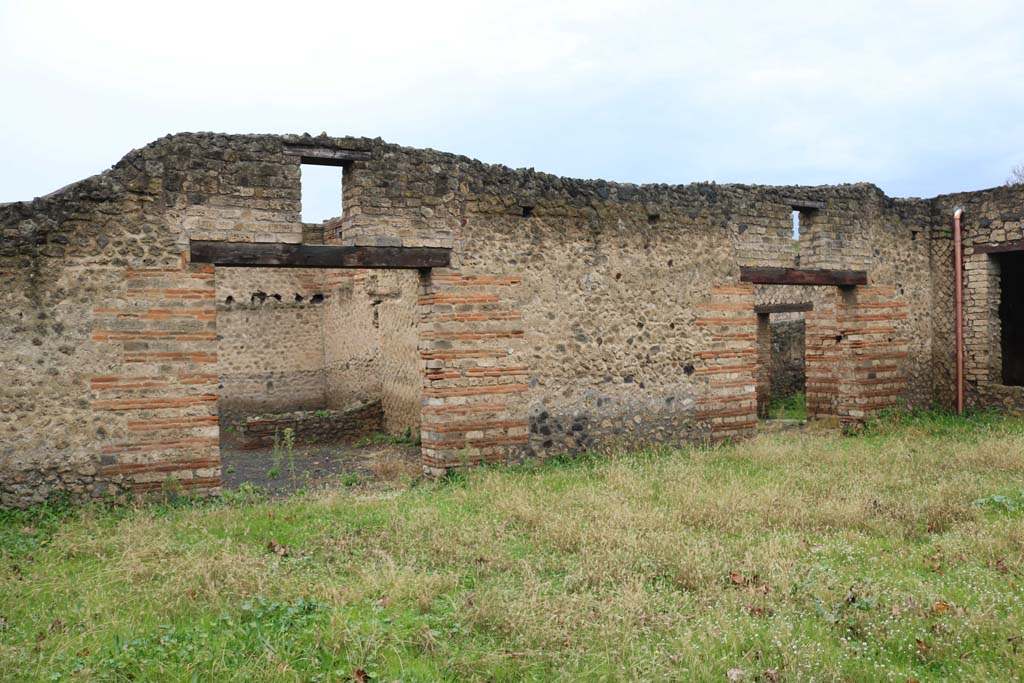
575, 314
991, 217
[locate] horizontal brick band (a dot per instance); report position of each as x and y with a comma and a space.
172, 484
446, 427
172, 423
474, 317
483, 334
726, 369
455, 299
172, 294
732, 290
170, 444
475, 443
168, 466
736, 412
158, 313
475, 391
468, 353
458, 280
734, 426
746, 321
198, 272
170, 357
155, 403
465, 409
152, 335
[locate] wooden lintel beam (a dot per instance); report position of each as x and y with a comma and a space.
999, 247
783, 308
326, 156
273, 255
804, 204
802, 276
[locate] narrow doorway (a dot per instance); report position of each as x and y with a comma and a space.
782, 365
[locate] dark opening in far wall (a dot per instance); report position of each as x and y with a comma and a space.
1011, 316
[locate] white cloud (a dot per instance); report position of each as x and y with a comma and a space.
668, 91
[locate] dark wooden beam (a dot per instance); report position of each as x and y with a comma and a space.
326, 156
272, 255
802, 276
783, 308
999, 247
804, 204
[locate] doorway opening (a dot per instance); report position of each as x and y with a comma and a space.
319, 377
782, 365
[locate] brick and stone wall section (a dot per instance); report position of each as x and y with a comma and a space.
994, 216
608, 281
729, 362
161, 398
473, 379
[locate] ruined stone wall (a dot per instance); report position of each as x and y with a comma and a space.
597, 314
109, 367
993, 216
575, 314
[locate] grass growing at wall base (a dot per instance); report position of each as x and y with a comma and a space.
889, 556
792, 407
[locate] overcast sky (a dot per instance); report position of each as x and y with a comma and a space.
920, 98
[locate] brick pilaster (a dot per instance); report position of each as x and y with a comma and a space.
729, 362
474, 379
156, 401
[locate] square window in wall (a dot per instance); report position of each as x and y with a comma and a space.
1011, 317
321, 192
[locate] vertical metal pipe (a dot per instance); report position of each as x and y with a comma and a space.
958, 265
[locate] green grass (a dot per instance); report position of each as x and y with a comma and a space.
887, 556
405, 439
790, 408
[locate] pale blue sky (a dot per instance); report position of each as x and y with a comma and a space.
920, 98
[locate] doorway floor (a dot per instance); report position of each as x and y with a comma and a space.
318, 466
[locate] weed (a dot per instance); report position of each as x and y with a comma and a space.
1001, 503
283, 455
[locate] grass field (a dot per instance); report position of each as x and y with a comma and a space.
895, 555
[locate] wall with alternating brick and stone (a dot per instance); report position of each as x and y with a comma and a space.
575, 314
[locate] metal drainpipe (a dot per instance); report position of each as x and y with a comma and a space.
958, 264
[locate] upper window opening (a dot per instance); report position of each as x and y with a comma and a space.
321, 192
804, 212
